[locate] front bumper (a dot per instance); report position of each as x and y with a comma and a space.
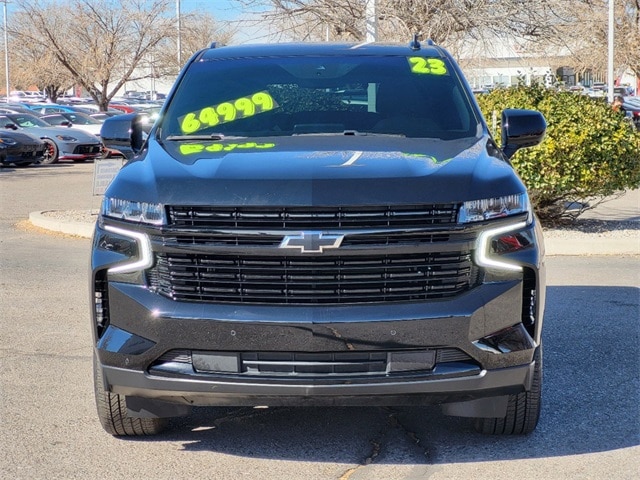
482, 341
400, 391
80, 152
144, 327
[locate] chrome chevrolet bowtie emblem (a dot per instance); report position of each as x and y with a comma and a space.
311, 242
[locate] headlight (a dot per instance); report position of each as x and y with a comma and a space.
144, 259
489, 208
66, 138
142, 212
7, 141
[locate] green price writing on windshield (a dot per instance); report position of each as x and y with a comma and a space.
429, 66
227, 112
192, 148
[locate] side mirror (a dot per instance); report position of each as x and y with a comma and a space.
521, 129
123, 133
11, 126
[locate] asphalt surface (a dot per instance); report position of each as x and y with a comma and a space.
589, 428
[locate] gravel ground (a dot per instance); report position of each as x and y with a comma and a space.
80, 216
587, 228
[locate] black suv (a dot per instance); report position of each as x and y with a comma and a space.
318, 224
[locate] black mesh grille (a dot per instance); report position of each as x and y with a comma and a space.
313, 279
325, 363
87, 149
321, 218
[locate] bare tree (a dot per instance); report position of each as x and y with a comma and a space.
585, 32
546, 27
100, 42
35, 64
105, 43
198, 30
444, 21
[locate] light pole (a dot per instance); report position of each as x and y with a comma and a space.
178, 21
6, 48
610, 78
372, 21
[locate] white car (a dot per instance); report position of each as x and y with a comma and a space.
63, 143
78, 120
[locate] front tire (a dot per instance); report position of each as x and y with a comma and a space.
112, 411
523, 409
51, 152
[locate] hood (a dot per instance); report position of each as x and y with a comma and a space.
93, 129
316, 170
22, 137
79, 135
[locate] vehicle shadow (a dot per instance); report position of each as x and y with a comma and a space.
591, 398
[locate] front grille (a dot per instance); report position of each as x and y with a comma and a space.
320, 218
313, 279
394, 238
86, 149
325, 363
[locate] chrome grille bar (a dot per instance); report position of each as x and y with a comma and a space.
326, 218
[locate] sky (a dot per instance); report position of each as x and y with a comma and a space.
229, 11
222, 10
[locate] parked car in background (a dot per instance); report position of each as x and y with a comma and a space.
631, 105
21, 149
63, 143
93, 108
16, 108
46, 109
102, 116
124, 108
79, 120
624, 91
26, 96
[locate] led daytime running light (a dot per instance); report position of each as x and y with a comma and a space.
144, 245
484, 239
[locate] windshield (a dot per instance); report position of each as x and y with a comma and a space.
26, 120
80, 118
352, 95
55, 119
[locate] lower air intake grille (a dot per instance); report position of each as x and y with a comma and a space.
306, 364
312, 280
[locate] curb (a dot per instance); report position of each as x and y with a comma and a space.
80, 229
565, 246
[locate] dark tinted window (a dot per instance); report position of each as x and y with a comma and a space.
411, 96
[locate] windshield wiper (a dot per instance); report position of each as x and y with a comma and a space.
182, 138
350, 133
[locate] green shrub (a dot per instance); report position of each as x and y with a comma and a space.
589, 152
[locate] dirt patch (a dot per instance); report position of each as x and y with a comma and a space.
27, 226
